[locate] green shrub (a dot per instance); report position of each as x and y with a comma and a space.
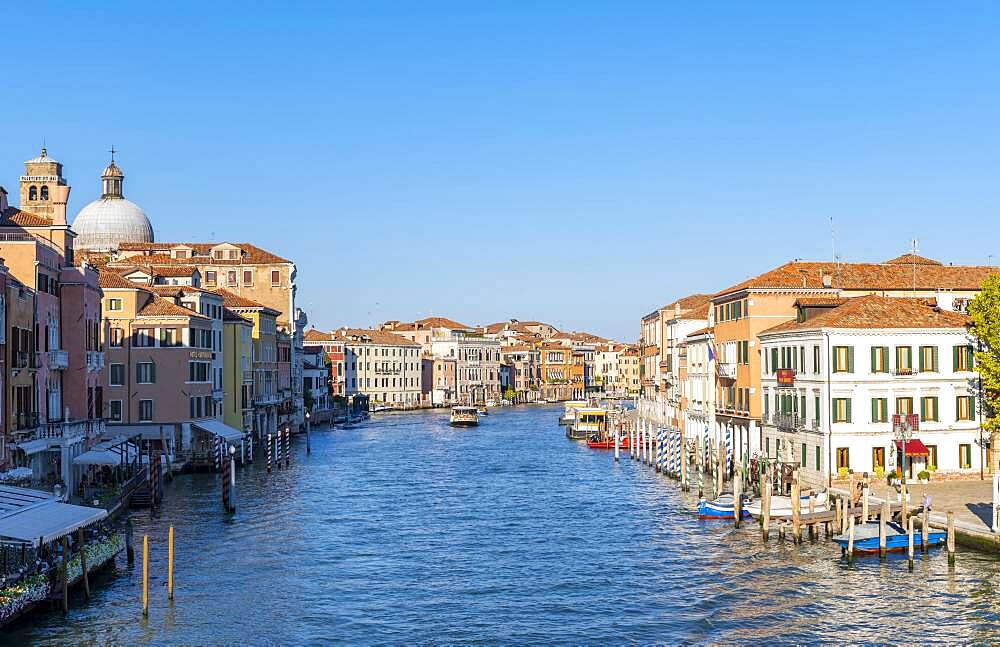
924, 475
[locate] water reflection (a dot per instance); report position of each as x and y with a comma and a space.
409, 531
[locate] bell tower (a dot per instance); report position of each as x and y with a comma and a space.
44, 191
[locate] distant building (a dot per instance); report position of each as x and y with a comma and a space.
383, 366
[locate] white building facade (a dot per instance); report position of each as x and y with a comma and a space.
383, 366
832, 384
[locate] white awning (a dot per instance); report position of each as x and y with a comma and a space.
48, 521
99, 457
30, 447
216, 428
15, 499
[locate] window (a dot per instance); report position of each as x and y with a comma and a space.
843, 359
878, 458
210, 277
880, 409
198, 372
45, 193
168, 337
145, 410
817, 410
145, 373
275, 278
114, 305
818, 458
965, 456
963, 358
144, 338
33, 192
802, 463
932, 456
904, 406
231, 278
904, 360
116, 375
841, 409
928, 359
115, 410
843, 458
929, 409
117, 337
767, 446
880, 359
816, 355
965, 407
247, 277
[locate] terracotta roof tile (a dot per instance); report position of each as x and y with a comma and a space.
230, 316
820, 302
160, 307
382, 337
442, 322
252, 255
877, 312
700, 331
864, 276
232, 300
912, 259
16, 217
110, 280
317, 335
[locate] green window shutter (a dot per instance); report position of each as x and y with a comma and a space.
920, 359
767, 406
848, 401
972, 357
874, 360
874, 409
817, 407
817, 457
955, 357
958, 407
972, 407
923, 408
802, 405
934, 401
850, 359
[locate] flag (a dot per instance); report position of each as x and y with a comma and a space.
711, 353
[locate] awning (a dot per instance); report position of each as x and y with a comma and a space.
30, 447
99, 457
48, 521
914, 448
222, 430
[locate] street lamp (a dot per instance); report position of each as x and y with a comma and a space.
904, 432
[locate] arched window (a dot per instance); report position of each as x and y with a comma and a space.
45, 193
33, 192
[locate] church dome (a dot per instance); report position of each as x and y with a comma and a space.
105, 223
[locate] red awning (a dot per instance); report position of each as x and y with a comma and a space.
914, 448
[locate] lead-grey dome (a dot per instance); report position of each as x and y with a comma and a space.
105, 223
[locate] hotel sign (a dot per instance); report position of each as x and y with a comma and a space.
201, 354
786, 377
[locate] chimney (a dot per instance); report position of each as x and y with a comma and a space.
60, 196
945, 301
3, 200
827, 280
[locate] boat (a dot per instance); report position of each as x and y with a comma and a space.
482, 410
464, 417
896, 539
380, 408
589, 422
596, 442
781, 506
569, 415
721, 507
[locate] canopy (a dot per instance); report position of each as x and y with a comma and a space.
49, 521
222, 430
914, 448
99, 457
15, 499
33, 446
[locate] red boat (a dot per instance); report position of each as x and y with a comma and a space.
608, 443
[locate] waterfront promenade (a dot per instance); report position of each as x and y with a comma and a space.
405, 530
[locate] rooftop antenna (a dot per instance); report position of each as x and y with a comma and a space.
913, 262
833, 240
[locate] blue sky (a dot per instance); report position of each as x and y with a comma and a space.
580, 163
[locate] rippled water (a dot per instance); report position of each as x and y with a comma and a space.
408, 531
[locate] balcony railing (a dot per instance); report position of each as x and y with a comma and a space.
788, 421
58, 360
89, 428
25, 359
726, 370
265, 398
25, 420
248, 376
95, 360
903, 372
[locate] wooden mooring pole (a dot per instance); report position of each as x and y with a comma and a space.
864, 501
951, 538
796, 509
812, 509
170, 563
145, 575
129, 548
838, 529
923, 531
83, 562
65, 575
883, 519
737, 499
909, 542
765, 509
850, 540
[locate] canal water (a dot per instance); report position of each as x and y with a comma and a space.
408, 531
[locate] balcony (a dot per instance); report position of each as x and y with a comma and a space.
903, 372
248, 376
74, 428
24, 420
25, 359
790, 422
58, 360
726, 370
266, 399
95, 360
218, 394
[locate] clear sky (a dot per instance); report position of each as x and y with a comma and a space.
576, 162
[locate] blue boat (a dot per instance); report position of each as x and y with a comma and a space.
721, 508
896, 539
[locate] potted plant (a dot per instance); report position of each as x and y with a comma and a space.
879, 472
923, 476
894, 478
843, 472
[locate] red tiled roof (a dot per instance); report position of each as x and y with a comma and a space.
14, 216
877, 312
692, 305
229, 315
700, 331
110, 280
252, 255
160, 307
912, 259
316, 335
232, 300
382, 337
820, 302
864, 276
442, 322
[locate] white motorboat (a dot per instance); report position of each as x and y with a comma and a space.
781, 506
